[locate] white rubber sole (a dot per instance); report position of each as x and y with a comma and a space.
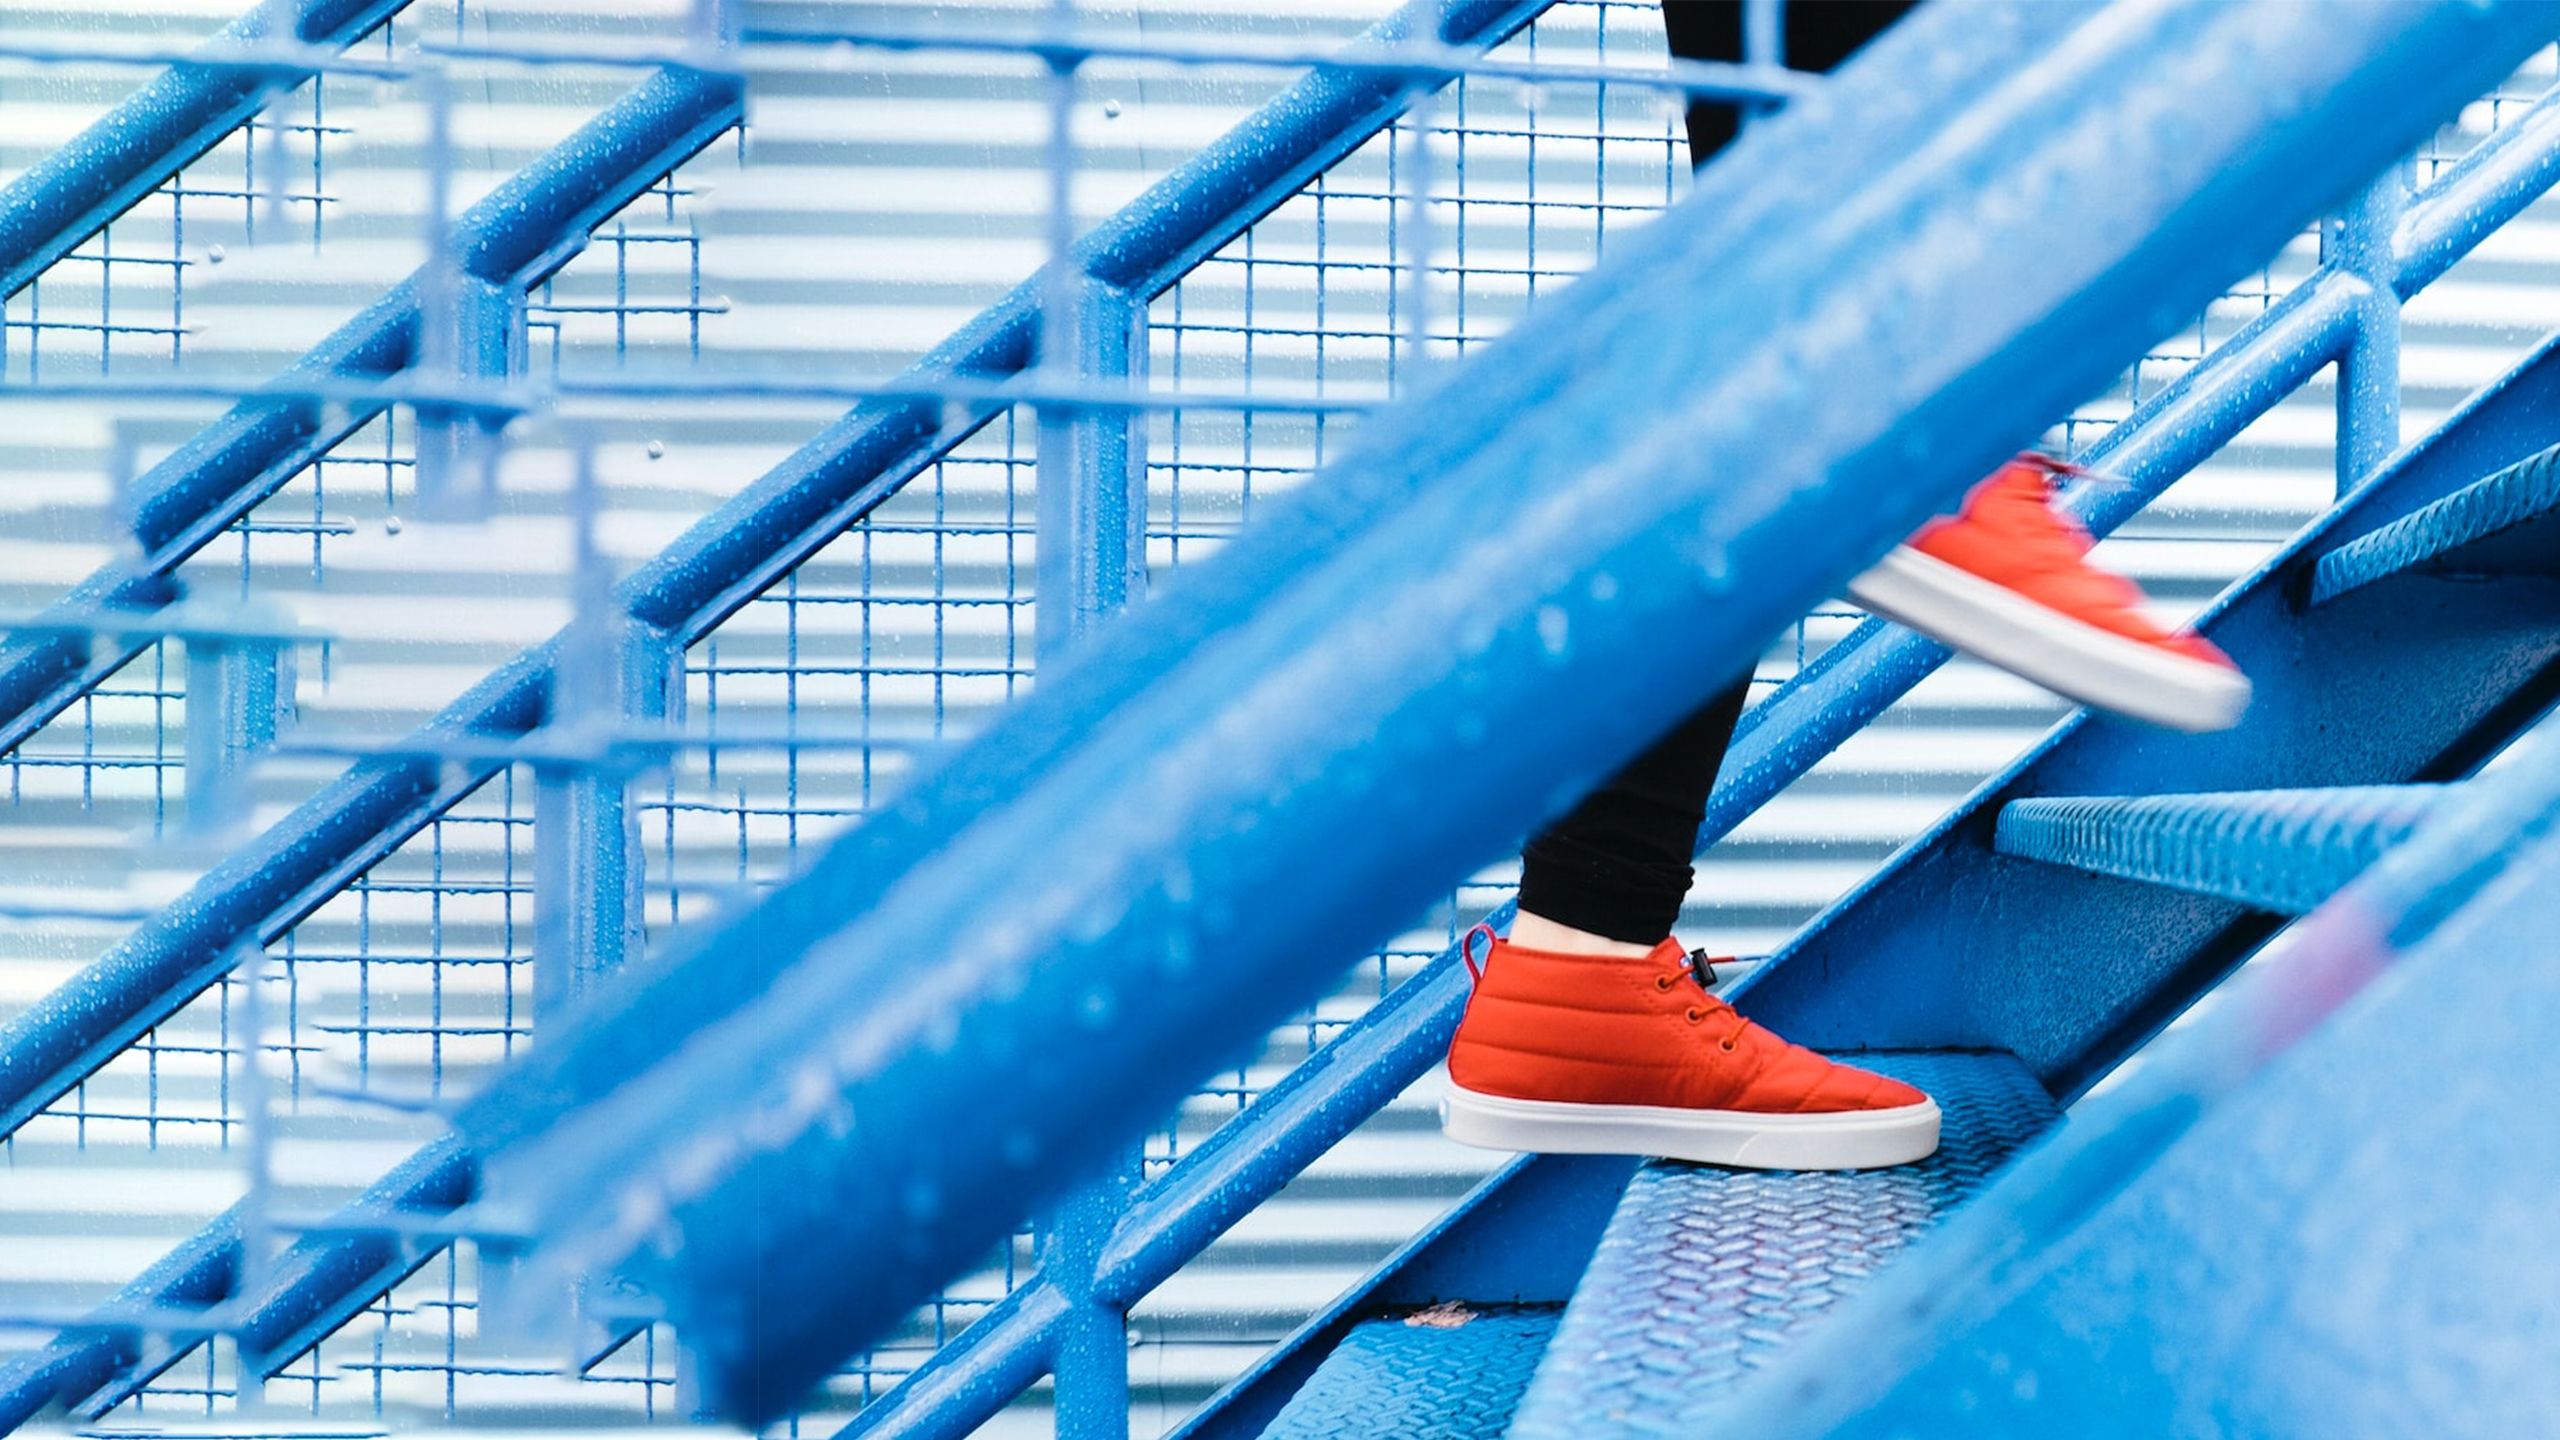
1855, 1140
2080, 662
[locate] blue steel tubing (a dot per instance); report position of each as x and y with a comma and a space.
133, 149
2488, 841
1888, 355
516, 235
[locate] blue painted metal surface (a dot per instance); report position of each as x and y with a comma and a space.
2277, 1227
2280, 850
1962, 397
1448, 1373
2501, 525
64, 198
1706, 1275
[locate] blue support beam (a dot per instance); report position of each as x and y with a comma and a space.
1813, 397
2279, 850
133, 149
2269, 1229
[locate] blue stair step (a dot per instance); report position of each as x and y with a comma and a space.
1704, 1274
2506, 524
2279, 850
1450, 1372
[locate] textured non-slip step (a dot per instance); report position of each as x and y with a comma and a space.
1446, 1373
2504, 524
2279, 850
1705, 1274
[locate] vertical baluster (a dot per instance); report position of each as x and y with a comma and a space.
2358, 242
1090, 502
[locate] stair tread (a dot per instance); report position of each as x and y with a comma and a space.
2501, 524
2279, 850
1447, 1373
1705, 1274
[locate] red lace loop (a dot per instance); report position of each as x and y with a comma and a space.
1467, 951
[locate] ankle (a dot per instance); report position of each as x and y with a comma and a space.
1537, 932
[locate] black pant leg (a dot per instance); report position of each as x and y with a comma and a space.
1619, 865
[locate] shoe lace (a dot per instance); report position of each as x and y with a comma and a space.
1702, 973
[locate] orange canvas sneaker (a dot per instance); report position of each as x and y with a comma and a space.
1602, 1055
2008, 580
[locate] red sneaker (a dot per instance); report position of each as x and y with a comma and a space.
1597, 1055
2009, 581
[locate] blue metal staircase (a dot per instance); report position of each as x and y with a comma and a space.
711, 1140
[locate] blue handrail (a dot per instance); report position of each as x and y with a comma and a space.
510, 241
1314, 703
133, 149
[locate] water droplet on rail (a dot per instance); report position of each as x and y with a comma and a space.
1110, 109
1555, 630
215, 254
655, 449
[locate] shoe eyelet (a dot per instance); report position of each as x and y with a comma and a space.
1664, 982
1725, 1045
1696, 1014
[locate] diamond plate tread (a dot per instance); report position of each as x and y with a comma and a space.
2280, 850
1705, 1273
1447, 1373
2500, 524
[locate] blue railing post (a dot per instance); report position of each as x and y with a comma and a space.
614, 681
2358, 241
239, 694
1092, 508
478, 339
1092, 501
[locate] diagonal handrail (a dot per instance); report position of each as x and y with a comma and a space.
510, 241
1887, 355
186, 110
